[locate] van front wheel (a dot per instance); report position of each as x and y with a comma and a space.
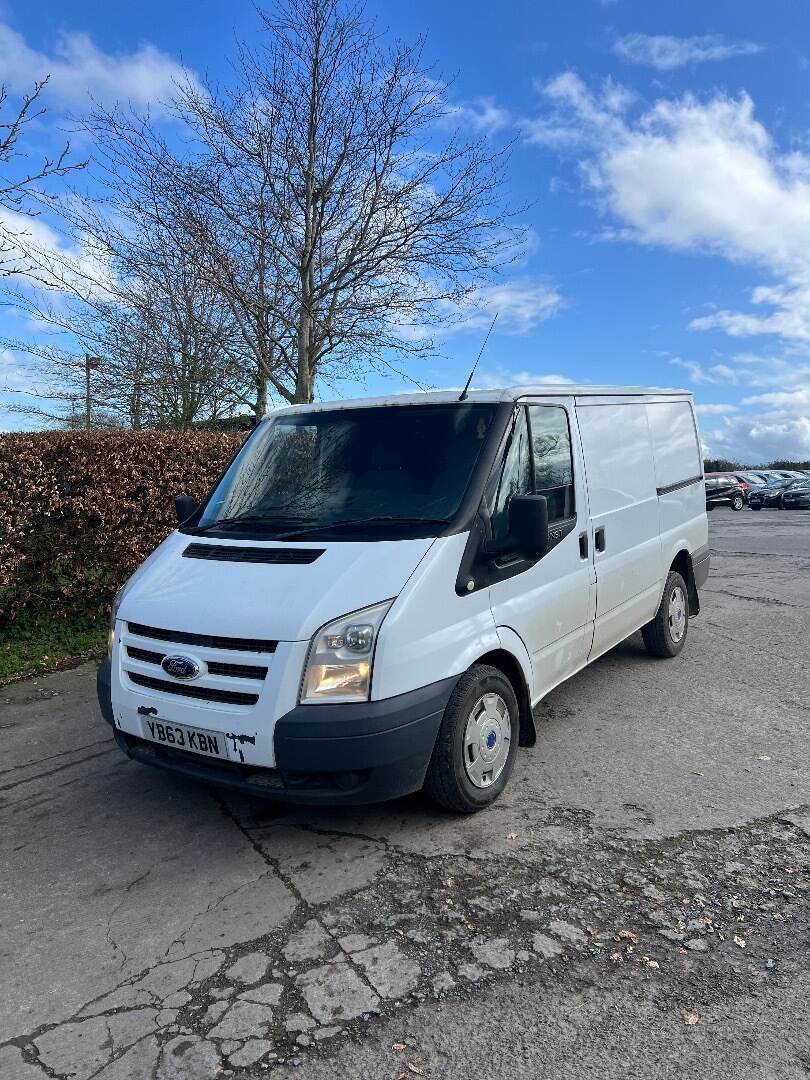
477, 742
665, 635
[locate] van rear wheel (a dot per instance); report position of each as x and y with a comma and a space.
665, 635
477, 742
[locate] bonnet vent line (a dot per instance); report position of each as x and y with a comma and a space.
242, 553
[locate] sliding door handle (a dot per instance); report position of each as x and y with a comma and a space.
583, 545
599, 538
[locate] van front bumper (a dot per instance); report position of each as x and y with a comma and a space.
363, 752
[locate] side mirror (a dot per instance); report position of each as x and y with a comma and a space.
184, 507
528, 525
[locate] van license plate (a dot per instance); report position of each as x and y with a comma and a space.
182, 737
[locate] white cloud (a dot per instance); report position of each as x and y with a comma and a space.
789, 319
699, 176
13, 376
146, 76
772, 422
481, 116
521, 305
495, 377
666, 53
716, 409
750, 373
757, 438
59, 262
715, 373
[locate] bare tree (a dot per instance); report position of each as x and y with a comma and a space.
156, 329
19, 187
318, 197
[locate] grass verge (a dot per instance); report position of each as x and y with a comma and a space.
33, 645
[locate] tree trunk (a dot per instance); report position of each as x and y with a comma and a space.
303, 383
305, 372
260, 408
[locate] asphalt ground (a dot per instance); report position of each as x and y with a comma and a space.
634, 905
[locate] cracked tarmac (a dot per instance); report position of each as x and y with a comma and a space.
648, 863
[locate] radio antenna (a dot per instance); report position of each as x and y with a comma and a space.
463, 396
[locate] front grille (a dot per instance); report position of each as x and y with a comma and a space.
146, 655
237, 671
242, 553
205, 641
201, 693
215, 667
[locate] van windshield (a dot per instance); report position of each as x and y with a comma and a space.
379, 472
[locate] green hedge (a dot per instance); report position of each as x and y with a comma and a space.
80, 510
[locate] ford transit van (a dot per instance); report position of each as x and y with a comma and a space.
377, 592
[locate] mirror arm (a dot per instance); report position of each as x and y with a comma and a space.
492, 549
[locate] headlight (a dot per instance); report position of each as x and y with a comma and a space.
341, 656
113, 616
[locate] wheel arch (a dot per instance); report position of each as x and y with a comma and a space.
682, 563
507, 663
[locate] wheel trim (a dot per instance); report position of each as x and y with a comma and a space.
676, 614
487, 739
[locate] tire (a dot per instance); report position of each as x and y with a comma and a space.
755, 506
665, 635
737, 503
457, 757
781, 503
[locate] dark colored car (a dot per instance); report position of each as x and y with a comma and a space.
772, 496
797, 498
724, 491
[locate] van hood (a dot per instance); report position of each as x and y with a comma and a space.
265, 600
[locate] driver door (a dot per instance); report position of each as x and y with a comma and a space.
548, 603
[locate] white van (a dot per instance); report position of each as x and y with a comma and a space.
377, 592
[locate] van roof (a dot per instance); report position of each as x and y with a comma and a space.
509, 393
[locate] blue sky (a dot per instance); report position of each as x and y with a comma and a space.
664, 149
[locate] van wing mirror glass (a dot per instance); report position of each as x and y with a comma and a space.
184, 507
528, 525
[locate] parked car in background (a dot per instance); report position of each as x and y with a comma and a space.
752, 479
798, 497
745, 485
771, 497
722, 490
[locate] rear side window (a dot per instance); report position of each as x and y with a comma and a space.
553, 463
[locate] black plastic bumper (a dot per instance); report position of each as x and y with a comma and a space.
354, 753
700, 566
104, 690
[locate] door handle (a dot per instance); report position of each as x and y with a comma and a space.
583, 545
599, 538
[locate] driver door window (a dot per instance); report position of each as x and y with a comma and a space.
552, 460
516, 476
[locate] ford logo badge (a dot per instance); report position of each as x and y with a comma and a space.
180, 667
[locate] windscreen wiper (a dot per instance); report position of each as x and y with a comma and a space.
374, 520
